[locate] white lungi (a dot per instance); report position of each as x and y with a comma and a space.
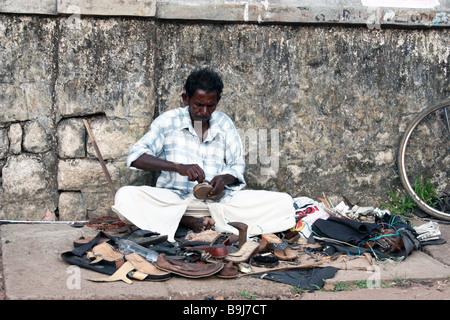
160, 210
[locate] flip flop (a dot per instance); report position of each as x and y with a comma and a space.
202, 190
187, 269
245, 252
279, 247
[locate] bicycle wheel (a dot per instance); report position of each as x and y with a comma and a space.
424, 153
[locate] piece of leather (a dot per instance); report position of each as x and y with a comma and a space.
120, 274
106, 253
228, 271
145, 270
245, 252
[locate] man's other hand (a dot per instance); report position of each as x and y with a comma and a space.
192, 171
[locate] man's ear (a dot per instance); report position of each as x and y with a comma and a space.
185, 98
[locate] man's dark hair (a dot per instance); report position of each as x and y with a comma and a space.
204, 79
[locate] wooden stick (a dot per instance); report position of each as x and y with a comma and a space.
99, 156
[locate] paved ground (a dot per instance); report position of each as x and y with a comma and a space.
33, 270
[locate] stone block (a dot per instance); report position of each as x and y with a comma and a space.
145, 8
83, 174
71, 206
26, 78
98, 203
113, 137
71, 137
103, 68
25, 177
4, 143
15, 134
37, 136
29, 6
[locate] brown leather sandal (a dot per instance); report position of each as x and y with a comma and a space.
279, 247
202, 190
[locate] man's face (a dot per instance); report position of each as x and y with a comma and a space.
201, 105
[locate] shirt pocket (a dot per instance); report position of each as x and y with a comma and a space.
216, 153
179, 145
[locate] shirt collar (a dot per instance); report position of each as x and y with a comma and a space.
214, 127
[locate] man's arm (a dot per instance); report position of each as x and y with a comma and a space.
148, 162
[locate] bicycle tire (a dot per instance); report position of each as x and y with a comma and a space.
413, 128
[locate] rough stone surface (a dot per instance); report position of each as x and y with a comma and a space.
71, 206
71, 139
38, 136
15, 138
4, 143
112, 136
80, 174
321, 108
28, 188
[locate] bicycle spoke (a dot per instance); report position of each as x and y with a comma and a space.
446, 117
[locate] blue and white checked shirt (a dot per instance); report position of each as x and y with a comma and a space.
172, 138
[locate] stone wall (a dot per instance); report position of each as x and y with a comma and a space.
321, 108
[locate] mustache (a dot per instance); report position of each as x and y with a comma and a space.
202, 117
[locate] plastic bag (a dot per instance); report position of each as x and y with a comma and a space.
307, 211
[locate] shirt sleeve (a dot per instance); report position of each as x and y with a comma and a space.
151, 143
234, 158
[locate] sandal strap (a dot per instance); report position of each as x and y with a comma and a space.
281, 245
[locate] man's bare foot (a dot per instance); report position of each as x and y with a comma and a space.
208, 223
198, 224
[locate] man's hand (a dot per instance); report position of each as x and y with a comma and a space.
192, 171
219, 182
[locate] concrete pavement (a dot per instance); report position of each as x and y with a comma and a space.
33, 269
